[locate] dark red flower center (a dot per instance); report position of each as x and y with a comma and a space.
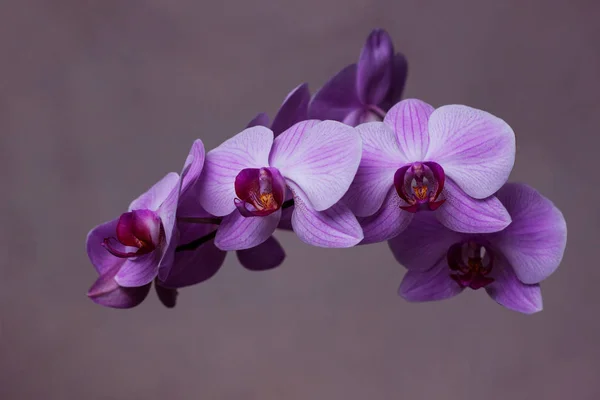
470, 264
260, 191
420, 184
138, 229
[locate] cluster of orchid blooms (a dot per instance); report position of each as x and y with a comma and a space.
351, 165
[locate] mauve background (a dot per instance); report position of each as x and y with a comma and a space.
99, 99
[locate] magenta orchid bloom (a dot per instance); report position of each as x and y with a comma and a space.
245, 181
450, 160
193, 266
364, 91
131, 251
509, 264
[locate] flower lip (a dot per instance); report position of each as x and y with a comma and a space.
470, 264
260, 191
420, 184
141, 229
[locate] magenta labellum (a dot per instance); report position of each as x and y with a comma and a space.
470, 264
140, 229
260, 191
420, 184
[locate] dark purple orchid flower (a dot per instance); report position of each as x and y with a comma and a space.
364, 91
131, 251
509, 264
246, 180
450, 161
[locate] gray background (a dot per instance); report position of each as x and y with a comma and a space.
99, 99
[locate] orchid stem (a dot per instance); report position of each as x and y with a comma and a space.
193, 245
380, 113
198, 220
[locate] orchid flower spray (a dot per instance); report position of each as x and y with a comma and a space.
353, 165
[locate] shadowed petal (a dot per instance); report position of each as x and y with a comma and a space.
399, 74
535, 242
191, 267
286, 214
409, 120
381, 157
261, 119
388, 222
100, 258
266, 255
192, 167
374, 68
248, 149
156, 195
475, 148
167, 296
511, 293
335, 227
322, 162
430, 285
337, 98
106, 292
293, 110
424, 243
237, 232
463, 213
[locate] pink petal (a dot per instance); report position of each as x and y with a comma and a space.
322, 160
139, 271
237, 232
335, 227
462, 213
409, 120
511, 293
106, 292
475, 148
248, 149
424, 243
388, 222
381, 157
168, 216
156, 195
100, 258
535, 242
430, 285
192, 167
